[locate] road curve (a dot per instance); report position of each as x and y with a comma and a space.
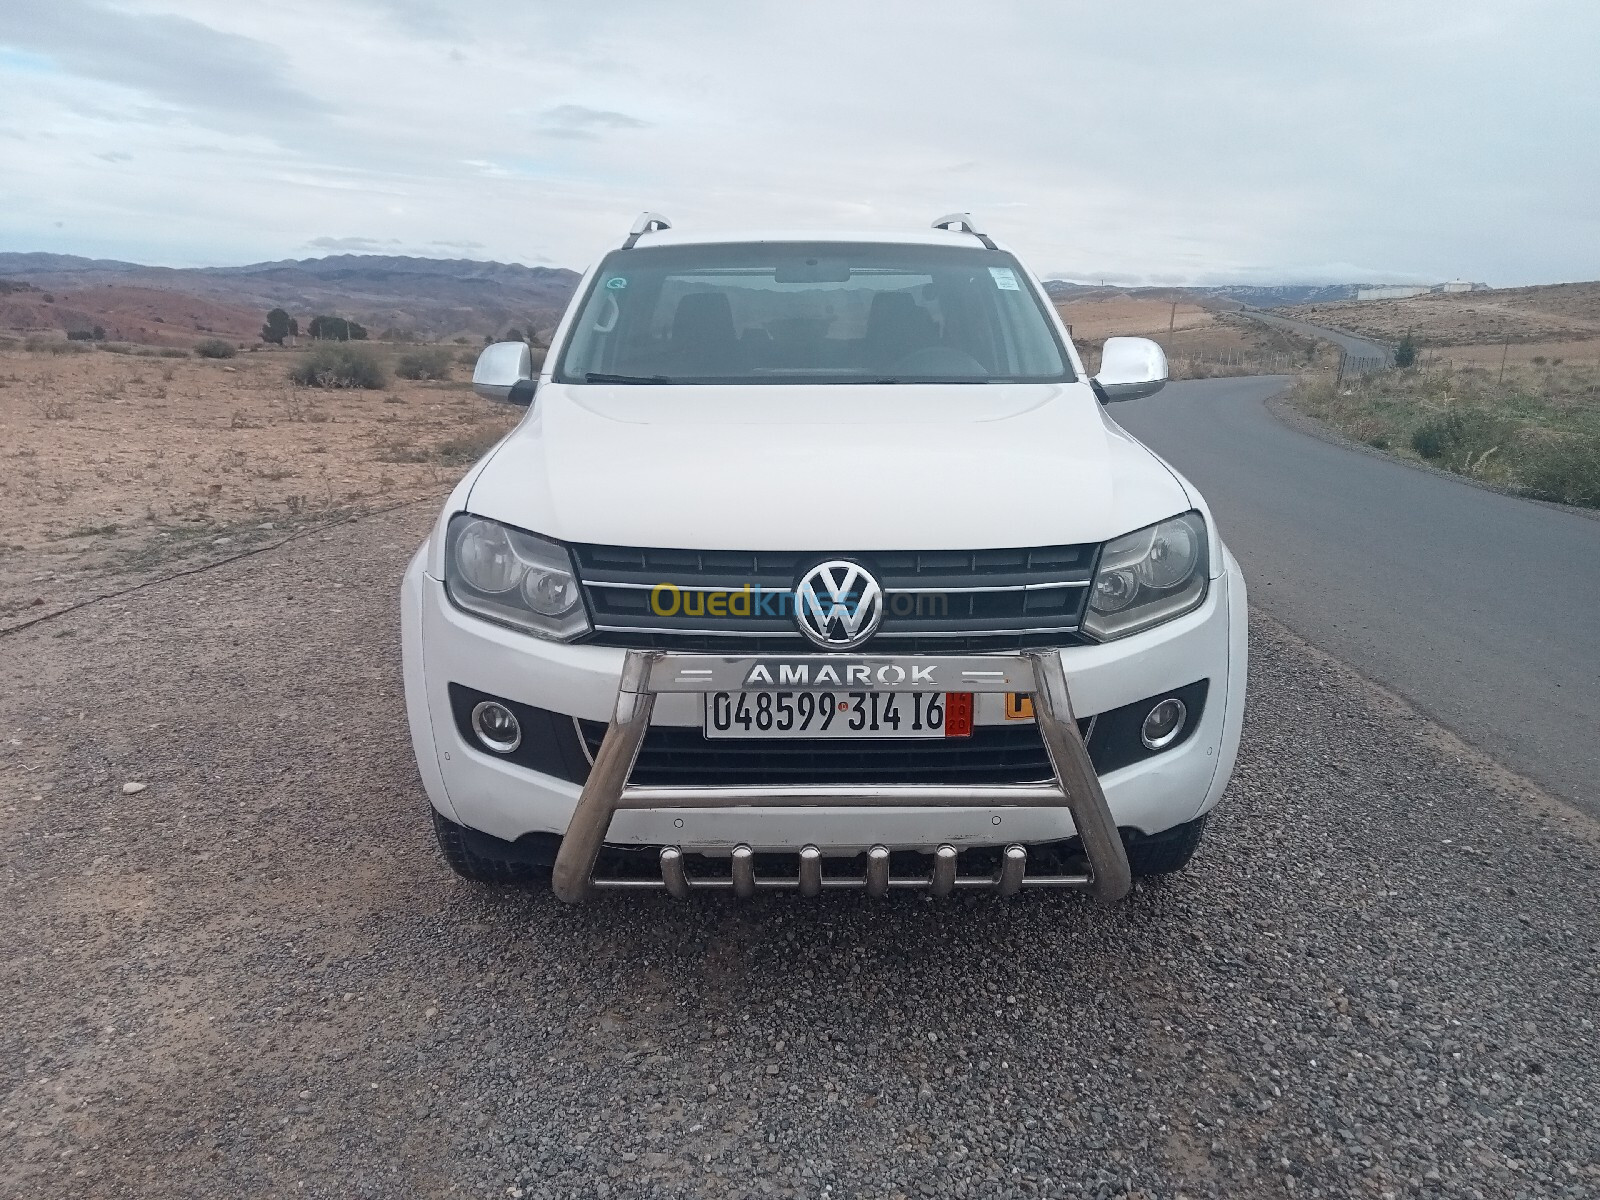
1360, 349
1479, 608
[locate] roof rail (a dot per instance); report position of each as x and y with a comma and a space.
648, 222
964, 219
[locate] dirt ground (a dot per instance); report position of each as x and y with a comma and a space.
119, 468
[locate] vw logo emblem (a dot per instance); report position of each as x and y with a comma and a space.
838, 605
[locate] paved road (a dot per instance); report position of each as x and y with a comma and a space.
1479, 608
1363, 355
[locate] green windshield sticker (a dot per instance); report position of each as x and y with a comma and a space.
616, 283
1004, 279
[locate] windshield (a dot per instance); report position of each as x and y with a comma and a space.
812, 312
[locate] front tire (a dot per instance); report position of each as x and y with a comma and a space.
1167, 852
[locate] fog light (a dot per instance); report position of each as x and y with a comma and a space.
497, 727
1163, 724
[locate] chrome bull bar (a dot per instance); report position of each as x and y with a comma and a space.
649, 673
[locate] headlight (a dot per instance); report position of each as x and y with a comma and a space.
1148, 576
514, 578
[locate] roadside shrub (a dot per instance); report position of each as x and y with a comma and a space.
172, 352
80, 335
340, 366
433, 362
1458, 435
1405, 354
48, 345
1567, 471
215, 348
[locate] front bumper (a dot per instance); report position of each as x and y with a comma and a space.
481, 792
647, 674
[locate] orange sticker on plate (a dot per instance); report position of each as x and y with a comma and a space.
1019, 706
958, 714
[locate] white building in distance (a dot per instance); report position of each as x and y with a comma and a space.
1406, 291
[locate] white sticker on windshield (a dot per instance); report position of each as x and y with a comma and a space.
1004, 279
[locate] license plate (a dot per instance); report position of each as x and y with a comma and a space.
867, 716
1019, 706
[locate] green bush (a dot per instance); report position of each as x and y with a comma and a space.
1567, 471
340, 366
1405, 354
1458, 435
433, 362
215, 348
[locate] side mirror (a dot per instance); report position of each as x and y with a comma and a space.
1130, 367
505, 372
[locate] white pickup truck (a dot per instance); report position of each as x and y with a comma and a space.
818, 563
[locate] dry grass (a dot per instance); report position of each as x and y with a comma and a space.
107, 470
1567, 313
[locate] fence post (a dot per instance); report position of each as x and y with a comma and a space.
1338, 377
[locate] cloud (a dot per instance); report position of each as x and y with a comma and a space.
174, 59
352, 245
1165, 144
582, 123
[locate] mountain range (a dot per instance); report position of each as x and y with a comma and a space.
428, 297
423, 297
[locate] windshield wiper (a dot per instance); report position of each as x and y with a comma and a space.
604, 377
921, 379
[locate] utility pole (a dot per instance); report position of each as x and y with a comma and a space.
1503, 353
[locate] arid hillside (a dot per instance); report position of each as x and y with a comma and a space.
1558, 313
152, 316
426, 297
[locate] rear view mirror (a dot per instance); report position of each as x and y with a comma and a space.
505, 372
1131, 367
812, 270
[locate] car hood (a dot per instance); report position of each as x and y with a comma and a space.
826, 467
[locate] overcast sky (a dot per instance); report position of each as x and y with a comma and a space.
1177, 142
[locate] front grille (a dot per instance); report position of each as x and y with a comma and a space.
684, 756
935, 601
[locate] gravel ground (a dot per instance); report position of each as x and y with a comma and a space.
255, 976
